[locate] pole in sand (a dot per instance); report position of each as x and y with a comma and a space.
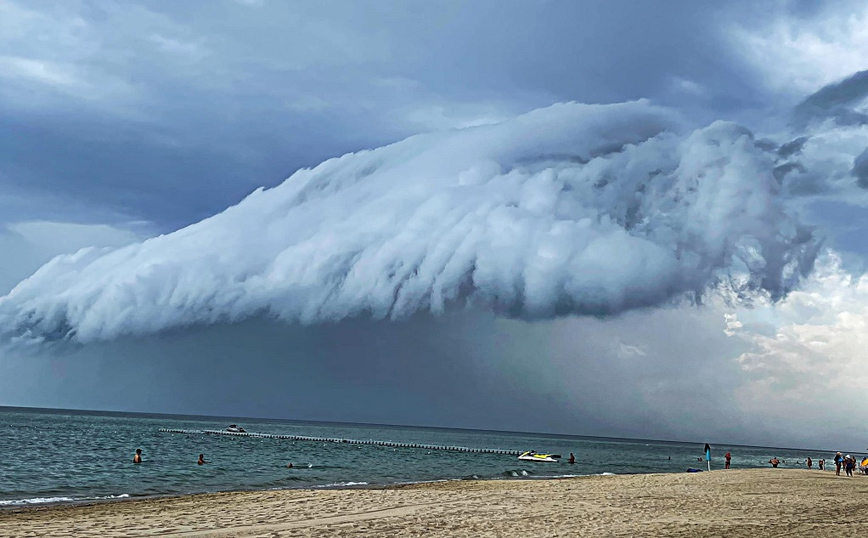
708, 456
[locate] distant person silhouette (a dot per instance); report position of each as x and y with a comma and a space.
138, 457
727, 460
572, 458
201, 459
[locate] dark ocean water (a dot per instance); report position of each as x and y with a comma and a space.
58, 456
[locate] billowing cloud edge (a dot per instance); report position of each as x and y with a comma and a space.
568, 210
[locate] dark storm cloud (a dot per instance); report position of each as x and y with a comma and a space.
604, 209
464, 369
836, 101
169, 111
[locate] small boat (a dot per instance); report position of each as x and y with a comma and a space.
234, 428
531, 455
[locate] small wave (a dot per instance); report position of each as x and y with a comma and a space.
341, 484
515, 473
36, 500
52, 500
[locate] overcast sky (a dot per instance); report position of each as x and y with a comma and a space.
633, 269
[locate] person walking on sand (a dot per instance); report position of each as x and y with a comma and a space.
838, 460
201, 459
138, 457
808, 462
727, 458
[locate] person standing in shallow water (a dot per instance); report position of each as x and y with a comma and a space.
774, 461
138, 457
808, 462
572, 458
726, 460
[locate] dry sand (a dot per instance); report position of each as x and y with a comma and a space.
754, 502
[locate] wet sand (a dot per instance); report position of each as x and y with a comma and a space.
753, 502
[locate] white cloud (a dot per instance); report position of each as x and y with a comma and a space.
626, 351
798, 55
25, 246
39, 71
686, 86
57, 54
813, 364
181, 49
592, 209
453, 116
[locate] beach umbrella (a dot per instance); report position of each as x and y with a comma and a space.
708, 455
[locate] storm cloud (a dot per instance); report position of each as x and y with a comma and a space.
517, 265
571, 209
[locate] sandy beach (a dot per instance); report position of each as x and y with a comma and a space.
755, 502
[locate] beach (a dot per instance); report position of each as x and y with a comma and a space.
750, 502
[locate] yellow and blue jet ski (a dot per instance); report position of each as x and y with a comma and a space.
531, 455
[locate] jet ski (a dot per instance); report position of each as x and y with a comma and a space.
531, 455
235, 429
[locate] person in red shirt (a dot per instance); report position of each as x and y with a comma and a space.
727, 459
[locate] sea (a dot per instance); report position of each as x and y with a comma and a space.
61, 456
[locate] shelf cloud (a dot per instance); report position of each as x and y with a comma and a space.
571, 209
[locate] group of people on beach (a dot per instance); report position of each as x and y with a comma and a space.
848, 463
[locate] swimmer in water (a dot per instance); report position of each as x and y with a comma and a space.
138, 457
201, 459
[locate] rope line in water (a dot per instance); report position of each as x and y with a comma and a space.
350, 441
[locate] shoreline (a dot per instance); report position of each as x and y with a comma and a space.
735, 502
128, 497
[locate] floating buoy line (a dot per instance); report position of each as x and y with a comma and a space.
342, 440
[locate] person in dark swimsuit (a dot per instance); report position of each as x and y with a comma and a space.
572, 458
138, 457
201, 459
